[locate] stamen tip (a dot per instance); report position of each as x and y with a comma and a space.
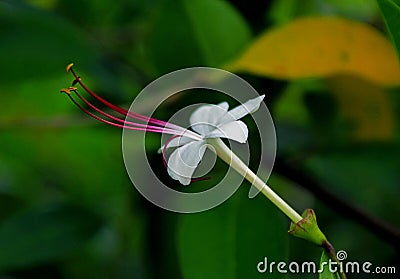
68, 90
65, 90
69, 67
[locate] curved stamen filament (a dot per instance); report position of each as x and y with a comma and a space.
130, 114
129, 123
117, 108
146, 128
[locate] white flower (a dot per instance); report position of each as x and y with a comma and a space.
209, 121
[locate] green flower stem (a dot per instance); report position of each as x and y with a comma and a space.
304, 227
237, 164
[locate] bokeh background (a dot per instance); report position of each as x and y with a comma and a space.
67, 206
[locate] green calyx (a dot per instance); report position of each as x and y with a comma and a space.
307, 228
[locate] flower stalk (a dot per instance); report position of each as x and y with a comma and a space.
237, 164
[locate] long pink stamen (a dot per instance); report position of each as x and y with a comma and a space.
117, 108
127, 113
146, 129
118, 119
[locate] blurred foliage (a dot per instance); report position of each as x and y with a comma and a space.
182, 26
63, 227
390, 10
67, 206
324, 265
226, 232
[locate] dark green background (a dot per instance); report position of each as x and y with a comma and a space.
67, 206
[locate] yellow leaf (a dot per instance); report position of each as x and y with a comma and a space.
321, 47
366, 105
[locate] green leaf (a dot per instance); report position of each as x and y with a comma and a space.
44, 235
282, 11
229, 241
196, 33
364, 174
391, 13
362, 10
35, 43
324, 265
43, 4
9, 204
290, 107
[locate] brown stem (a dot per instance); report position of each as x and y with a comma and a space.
330, 250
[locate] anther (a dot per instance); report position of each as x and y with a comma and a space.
69, 67
65, 90
68, 90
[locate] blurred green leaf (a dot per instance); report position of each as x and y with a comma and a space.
35, 43
44, 4
362, 10
92, 13
391, 13
45, 234
207, 243
282, 11
291, 106
192, 33
324, 265
364, 174
9, 204
230, 240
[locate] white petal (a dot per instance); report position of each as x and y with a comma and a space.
206, 118
176, 142
234, 130
248, 107
224, 105
184, 160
